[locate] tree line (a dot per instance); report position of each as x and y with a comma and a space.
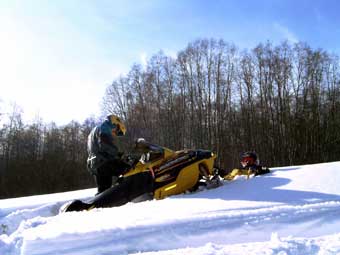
42, 158
281, 101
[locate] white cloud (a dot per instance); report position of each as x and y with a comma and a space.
286, 33
144, 59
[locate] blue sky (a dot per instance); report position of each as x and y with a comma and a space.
57, 57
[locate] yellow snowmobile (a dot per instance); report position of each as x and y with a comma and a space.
159, 173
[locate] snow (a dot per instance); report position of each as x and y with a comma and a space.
293, 210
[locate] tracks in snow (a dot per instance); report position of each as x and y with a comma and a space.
223, 226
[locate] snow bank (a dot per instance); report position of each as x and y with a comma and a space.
286, 212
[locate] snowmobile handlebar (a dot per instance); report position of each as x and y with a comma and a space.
143, 146
142, 152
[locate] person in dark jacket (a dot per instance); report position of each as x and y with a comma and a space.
249, 165
104, 158
250, 162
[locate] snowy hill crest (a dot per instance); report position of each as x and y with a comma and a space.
293, 210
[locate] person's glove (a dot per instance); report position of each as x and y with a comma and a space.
130, 160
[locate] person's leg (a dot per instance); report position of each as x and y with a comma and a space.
130, 188
107, 171
104, 177
104, 182
119, 167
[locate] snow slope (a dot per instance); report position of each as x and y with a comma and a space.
293, 210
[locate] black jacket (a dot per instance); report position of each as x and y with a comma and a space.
101, 147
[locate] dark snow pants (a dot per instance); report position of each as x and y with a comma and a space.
127, 190
107, 171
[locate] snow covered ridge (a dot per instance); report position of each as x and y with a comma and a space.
293, 210
309, 246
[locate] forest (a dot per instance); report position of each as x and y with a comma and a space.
280, 101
